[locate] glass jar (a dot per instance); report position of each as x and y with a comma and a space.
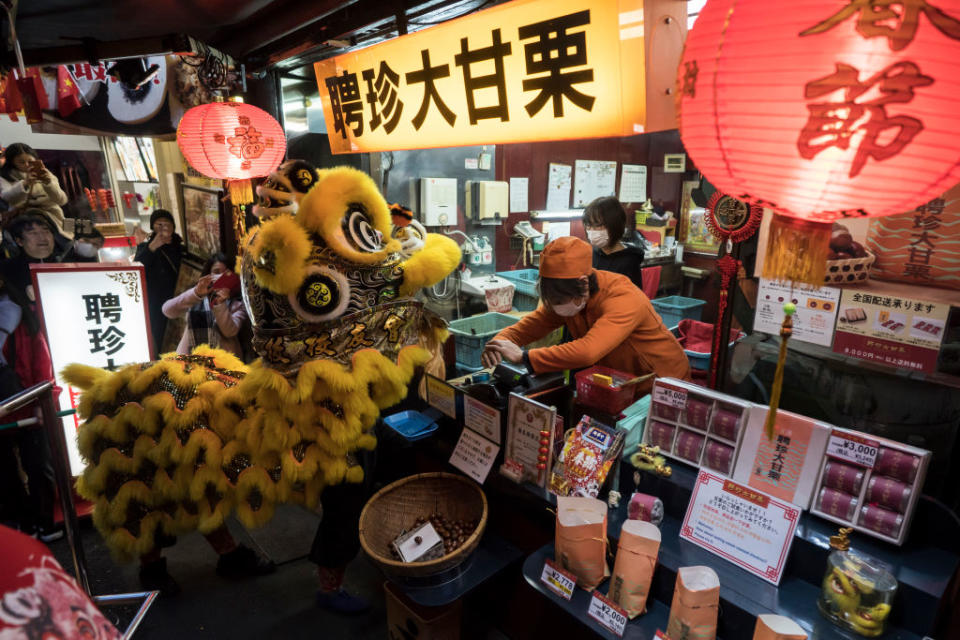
856, 594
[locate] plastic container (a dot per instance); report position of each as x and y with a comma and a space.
856, 594
698, 359
673, 309
525, 281
471, 334
611, 400
523, 302
412, 425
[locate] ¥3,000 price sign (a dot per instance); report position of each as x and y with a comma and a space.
860, 451
608, 614
558, 580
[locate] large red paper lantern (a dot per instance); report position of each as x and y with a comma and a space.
824, 108
231, 140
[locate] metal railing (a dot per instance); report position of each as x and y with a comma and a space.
42, 394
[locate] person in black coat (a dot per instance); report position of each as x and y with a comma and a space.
605, 220
160, 256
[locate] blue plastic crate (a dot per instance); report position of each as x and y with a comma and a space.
699, 360
471, 334
673, 309
523, 302
524, 280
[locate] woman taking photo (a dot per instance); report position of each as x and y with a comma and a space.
213, 311
25, 183
605, 220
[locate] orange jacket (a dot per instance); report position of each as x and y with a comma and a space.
618, 329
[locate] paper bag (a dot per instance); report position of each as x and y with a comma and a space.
633, 569
696, 601
581, 542
773, 627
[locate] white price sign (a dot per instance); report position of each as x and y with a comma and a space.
670, 396
859, 451
608, 614
558, 580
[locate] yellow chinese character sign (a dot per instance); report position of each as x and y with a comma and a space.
518, 72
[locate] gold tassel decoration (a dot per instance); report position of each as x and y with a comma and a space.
241, 194
786, 329
797, 250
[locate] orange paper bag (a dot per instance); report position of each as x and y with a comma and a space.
633, 569
696, 602
581, 542
773, 627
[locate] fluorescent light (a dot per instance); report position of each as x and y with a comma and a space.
556, 215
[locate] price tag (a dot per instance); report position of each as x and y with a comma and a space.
670, 396
608, 614
558, 580
859, 451
660, 635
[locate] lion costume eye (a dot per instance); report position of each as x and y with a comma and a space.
323, 295
361, 232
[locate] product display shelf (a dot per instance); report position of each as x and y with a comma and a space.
641, 628
922, 569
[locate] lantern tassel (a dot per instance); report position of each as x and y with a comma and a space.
797, 250
786, 329
241, 192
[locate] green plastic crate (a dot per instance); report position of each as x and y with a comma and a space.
524, 280
471, 334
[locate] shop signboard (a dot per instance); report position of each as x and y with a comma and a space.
94, 314
441, 396
816, 310
521, 71
530, 431
747, 527
896, 331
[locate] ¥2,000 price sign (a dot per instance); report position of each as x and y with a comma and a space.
558, 580
670, 396
859, 451
608, 614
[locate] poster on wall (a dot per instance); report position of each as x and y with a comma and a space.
106, 304
816, 310
201, 220
694, 232
896, 331
518, 72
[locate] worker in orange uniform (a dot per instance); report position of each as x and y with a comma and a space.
611, 321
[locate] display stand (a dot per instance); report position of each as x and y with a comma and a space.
924, 572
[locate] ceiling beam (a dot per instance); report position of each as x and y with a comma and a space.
93, 51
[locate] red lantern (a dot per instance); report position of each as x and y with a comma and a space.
822, 109
231, 140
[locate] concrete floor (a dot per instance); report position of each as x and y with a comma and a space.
280, 605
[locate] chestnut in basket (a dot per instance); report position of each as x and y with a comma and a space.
857, 250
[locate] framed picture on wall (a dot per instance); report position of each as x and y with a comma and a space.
694, 232
202, 209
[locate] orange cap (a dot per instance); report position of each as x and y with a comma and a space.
566, 257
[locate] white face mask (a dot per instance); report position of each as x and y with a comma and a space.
85, 249
568, 309
598, 237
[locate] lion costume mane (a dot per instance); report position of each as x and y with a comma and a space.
179, 444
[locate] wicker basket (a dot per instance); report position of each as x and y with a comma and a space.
396, 506
849, 271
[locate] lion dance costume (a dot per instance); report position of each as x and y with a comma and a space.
179, 444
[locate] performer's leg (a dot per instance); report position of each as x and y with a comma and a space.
154, 575
336, 543
237, 560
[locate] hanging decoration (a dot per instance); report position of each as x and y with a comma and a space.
834, 109
235, 142
731, 221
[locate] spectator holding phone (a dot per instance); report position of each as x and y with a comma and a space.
160, 254
214, 312
25, 183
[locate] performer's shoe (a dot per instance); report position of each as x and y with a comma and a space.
243, 562
154, 577
340, 601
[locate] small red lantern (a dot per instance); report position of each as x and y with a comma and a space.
231, 140
824, 108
